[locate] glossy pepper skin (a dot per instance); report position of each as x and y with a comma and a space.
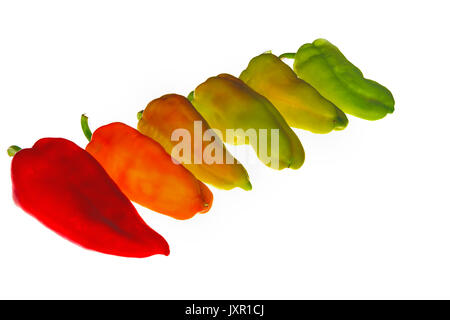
170, 112
145, 172
68, 191
226, 102
298, 102
322, 65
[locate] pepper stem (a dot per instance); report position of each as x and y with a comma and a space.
287, 55
139, 114
190, 96
85, 127
13, 150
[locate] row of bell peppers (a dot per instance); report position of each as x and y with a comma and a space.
84, 195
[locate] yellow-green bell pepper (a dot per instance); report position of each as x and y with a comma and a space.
227, 103
299, 103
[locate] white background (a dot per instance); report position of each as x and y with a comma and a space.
367, 216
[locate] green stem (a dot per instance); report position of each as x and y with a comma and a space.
190, 96
85, 127
287, 55
139, 114
13, 150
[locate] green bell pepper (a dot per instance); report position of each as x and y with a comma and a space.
322, 65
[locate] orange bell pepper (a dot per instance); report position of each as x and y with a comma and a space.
164, 115
146, 173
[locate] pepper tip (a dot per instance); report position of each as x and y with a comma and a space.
247, 186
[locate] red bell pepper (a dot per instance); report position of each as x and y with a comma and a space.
67, 190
